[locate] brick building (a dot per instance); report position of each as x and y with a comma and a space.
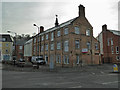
109, 45
68, 44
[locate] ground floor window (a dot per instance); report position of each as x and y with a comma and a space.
66, 59
6, 57
77, 59
117, 57
58, 59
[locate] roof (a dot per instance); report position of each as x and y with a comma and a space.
59, 26
5, 38
116, 32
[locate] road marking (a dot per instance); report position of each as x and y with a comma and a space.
76, 87
110, 82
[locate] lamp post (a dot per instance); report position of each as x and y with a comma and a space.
14, 44
38, 37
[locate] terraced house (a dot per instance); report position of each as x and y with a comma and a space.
6, 46
68, 44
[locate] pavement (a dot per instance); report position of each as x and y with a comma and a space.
97, 76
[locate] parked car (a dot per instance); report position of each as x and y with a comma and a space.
20, 63
38, 60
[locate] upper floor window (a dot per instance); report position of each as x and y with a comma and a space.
3, 39
117, 57
46, 36
96, 46
66, 31
20, 47
58, 45
52, 36
52, 46
117, 50
0, 44
46, 47
87, 32
42, 48
111, 41
58, 33
6, 45
88, 45
42, 38
108, 42
112, 49
77, 44
77, 59
35, 40
77, 31
66, 47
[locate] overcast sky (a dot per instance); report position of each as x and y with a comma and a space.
20, 15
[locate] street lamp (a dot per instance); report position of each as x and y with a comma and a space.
14, 43
37, 27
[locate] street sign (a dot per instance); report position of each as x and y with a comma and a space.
84, 50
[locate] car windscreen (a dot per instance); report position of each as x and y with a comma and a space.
37, 59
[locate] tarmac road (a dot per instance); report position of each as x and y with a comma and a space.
88, 78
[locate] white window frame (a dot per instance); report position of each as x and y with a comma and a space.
88, 32
58, 59
52, 46
66, 46
58, 45
66, 31
58, 33
77, 59
77, 30
66, 59
77, 44
46, 36
52, 36
112, 49
20, 47
46, 47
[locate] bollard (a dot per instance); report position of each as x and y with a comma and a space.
115, 68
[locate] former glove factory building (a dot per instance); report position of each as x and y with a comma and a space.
68, 44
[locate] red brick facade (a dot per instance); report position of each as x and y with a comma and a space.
110, 45
77, 47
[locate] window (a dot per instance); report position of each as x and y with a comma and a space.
6, 51
58, 59
77, 44
77, 30
111, 41
3, 39
35, 40
52, 36
42, 38
52, 46
88, 45
20, 47
117, 57
112, 49
96, 46
38, 39
58, 45
0, 44
37, 47
46, 47
66, 31
42, 48
58, 33
87, 32
108, 42
46, 36
6, 45
117, 50
66, 59
66, 47
77, 59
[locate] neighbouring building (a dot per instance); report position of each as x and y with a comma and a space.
6, 46
28, 50
109, 45
68, 44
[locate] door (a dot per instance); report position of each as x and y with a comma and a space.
46, 59
51, 61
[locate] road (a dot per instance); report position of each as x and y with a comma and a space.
88, 79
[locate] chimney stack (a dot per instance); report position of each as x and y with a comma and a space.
104, 27
81, 11
41, 29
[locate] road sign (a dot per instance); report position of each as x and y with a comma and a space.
115, 67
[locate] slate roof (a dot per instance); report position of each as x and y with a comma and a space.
116, 32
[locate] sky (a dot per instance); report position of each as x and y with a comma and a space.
20, 15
